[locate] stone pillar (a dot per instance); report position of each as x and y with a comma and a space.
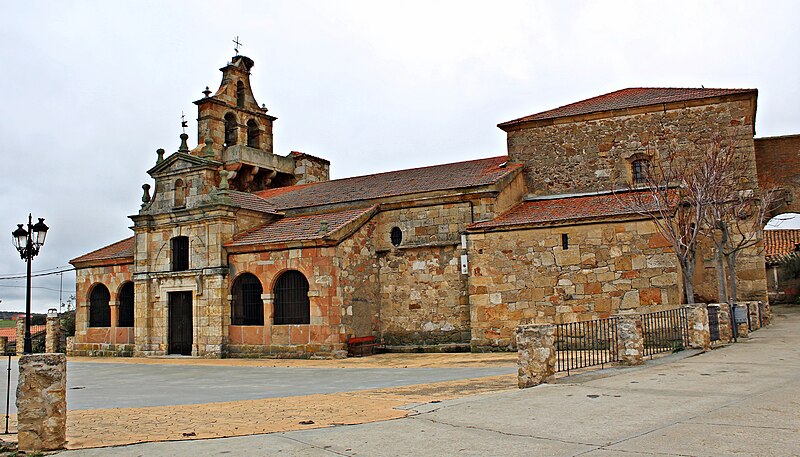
697, 321
743, 331
3, 345
766, 313
52, 336
42, 402
20, 334
630, 339
725, 330
537, 354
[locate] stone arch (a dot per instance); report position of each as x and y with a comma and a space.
247, 307
253, 133
291, 304
99, 306
179, 198
125, 300
231, 129
240, 94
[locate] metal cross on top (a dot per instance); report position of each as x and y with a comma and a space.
238, 44
184, 124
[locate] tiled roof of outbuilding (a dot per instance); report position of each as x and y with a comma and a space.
556, 210
119, 250
779, 244
450, 176
628, 98
250, 201
297, 228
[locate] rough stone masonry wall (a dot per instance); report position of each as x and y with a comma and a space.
91, 341
423, 293
594, 154
778, 162
524, 276
358, 282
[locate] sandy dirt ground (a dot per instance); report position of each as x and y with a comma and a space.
120, 426
393, 360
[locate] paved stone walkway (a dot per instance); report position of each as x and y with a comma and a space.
739, 400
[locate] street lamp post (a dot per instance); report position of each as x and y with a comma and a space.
28, 242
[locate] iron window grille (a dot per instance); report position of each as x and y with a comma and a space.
291, 299
180, 253
247, 307
99, 309
641, 170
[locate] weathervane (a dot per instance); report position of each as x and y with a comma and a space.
238, 44
184, 124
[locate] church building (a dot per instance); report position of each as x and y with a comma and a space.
238, 251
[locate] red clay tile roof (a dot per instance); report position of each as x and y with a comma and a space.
119, 250
780, 244
548, 211
250, 201
11, 332
427, 179
628, 98
297, 228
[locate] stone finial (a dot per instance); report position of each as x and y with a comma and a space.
160, 153
223, 179
208, 151
184, 145
146, 194
207, 92
323, 227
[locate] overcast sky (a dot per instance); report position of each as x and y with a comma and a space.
92, 89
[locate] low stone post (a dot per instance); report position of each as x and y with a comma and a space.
630, 339
766, 313
742, 330
42, 402
20, 334
3, 345
697, 321
725, 329
536, 346
52, 336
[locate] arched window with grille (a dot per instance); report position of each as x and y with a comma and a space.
126, 305
240, 94
252, 133
99, 308
180, 253
247, 308
291, 299
640, 170
231, 129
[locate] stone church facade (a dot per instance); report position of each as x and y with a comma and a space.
243, 252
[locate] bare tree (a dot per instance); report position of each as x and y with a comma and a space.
673, 192
735, 215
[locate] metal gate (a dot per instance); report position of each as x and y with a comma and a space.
713, 322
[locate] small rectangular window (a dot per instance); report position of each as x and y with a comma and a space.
180, 253
564, 241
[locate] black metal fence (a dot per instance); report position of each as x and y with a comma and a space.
586, 344
665, 331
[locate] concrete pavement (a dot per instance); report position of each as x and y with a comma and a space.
743, 399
